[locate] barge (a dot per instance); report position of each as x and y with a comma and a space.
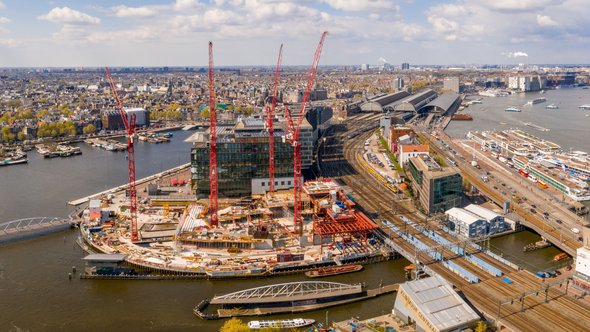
332, 271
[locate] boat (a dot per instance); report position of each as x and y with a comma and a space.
584, 107
513, 109
461, 116
280, 324
551, 107
410, 267
476, 101
331, 271
560, 257
12, 161
536, 101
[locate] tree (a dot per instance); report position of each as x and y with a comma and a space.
7, 136
481, 327
89, 129
234, 325
205, 113
21, 136
13, 103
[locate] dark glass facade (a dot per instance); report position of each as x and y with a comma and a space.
447, 192
237, 164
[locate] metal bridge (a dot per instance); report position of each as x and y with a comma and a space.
29, 227
293, 291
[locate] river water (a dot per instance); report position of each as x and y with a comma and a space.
36, 294
568, 125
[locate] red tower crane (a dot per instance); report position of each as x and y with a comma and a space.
270, 113
213, 207
130, 132
294, 129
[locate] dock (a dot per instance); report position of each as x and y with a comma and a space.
83, 200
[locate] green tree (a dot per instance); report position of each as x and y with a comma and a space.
7, 136
234, 325
89, 129
481, 326
21, 136
205, 113
43, 113
13, 103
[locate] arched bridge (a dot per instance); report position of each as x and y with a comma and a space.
29, 227
292, 291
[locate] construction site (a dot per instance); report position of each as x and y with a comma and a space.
162, 228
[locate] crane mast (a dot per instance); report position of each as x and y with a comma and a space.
294, 130
270, 112
130, 133
213, 207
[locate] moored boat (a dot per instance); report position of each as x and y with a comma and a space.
281, 324
560, 257
513, 109
330, 271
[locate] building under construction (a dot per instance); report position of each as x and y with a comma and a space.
242, 158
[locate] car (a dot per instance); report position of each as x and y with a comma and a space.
558, 221
503, 184
533, 206
495, 187
504, 193
533, 210
546, 214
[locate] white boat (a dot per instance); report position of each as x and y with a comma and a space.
281, 324
584, 107
513, 109
551, 107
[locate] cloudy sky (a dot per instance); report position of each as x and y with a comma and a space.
249, 32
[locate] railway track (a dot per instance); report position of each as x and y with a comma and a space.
561, 313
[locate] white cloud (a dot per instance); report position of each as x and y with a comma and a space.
546, 21
8, 42
134, 12
518, 5
516, 54
447, 10
359, 5
66, 15
186, 4
2, 6
4, 20
442, 25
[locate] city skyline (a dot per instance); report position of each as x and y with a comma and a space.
175, 33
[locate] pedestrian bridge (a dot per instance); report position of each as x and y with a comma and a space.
292, 291
30, 227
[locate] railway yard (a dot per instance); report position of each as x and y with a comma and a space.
499, 289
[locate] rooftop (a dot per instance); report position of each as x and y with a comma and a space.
465, 216
105, 258
439, 303
481, 211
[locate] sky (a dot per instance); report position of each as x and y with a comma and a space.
74, 33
